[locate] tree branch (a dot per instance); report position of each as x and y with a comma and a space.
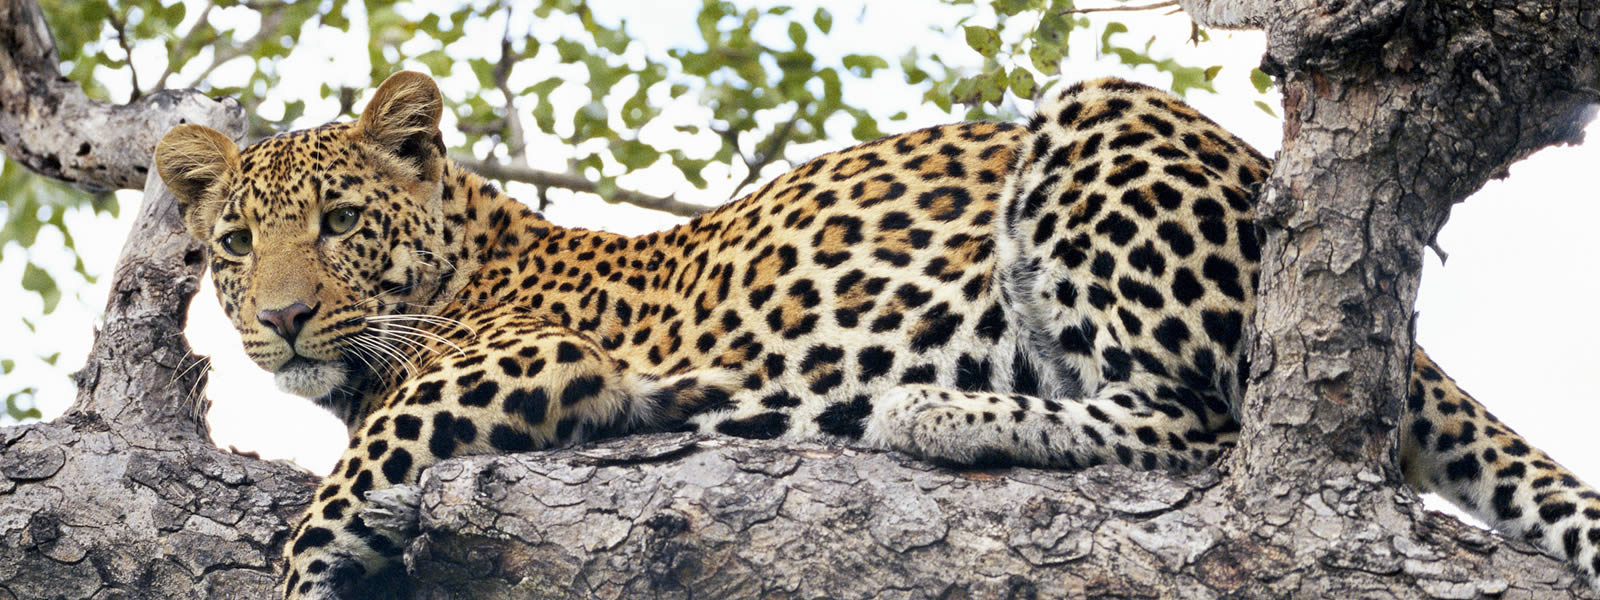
180, 51
763, 156
49, 126
125, 495
673, 516
271, 18
576, 183
1232, 14
120, 26
1125, 8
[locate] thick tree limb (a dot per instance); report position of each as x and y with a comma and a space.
576, 183
1394, 110
125, 495
670, 517
50, 126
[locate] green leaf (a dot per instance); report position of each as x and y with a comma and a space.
1211, 72
983, 39
1111, 29
1260, 79
1013, 7
483, 70
823, 20
691, 169
1046, 57
993, 87
1022, 83
6, 366
797, 34
866, 127
293, 110
570, 51
333, 18
863, 65
1265, 108
14, 408
35, 279
635, 155
939, 99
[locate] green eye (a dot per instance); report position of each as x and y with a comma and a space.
237, 243
339, 220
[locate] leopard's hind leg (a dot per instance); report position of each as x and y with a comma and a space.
1126, 253
1139, 423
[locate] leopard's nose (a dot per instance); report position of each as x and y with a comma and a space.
287, 321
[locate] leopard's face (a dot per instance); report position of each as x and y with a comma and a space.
320, 241
313, 245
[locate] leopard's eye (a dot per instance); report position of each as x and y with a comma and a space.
339, 220
237, 243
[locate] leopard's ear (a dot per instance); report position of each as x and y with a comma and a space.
194, 160
403, 120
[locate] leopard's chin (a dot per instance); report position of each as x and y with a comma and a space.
310, 378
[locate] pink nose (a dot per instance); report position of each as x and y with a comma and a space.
287, 321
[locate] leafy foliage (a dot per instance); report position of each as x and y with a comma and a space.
761, 80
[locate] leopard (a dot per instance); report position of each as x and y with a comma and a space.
1070, 291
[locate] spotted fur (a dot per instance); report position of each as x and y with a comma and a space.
1064, 294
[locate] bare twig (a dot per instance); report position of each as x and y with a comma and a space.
270, 21
517, 150
762, 156
1131, 8
765, 156
1433, 244
120, 26
177, 57
516, 145
576, 183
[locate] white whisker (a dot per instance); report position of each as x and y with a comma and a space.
393, 339
424, 318
361, 356
407, 330
382, 347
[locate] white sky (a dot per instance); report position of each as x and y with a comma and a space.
1511, 317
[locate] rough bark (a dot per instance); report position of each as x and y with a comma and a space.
669, 516
1394, 111
125, 496
50, 126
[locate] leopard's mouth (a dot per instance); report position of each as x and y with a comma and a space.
310, 378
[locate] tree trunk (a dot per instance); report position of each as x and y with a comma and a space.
125, 496
1395, 110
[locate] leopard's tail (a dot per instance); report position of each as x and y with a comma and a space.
663, 403
1452, 446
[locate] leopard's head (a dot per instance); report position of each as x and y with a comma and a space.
318, 237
